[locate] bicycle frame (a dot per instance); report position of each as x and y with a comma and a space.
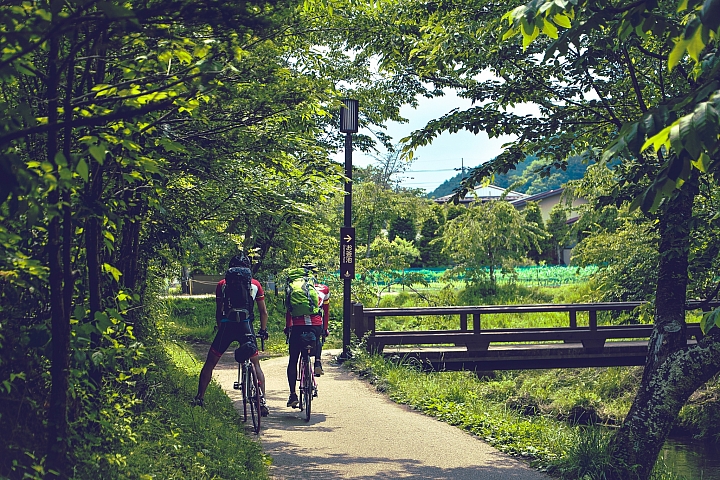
249, 386
308, 385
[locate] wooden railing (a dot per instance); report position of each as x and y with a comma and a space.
474, 338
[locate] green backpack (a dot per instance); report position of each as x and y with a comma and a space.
301, 298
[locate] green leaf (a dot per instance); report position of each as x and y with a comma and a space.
696, 45
703, 162
710, 13
562, 20
549, 29
82, 169
116, 274
709, 320
102, 321
79, 312
675, 138
677, 53
656, 141
98, 153
183, 56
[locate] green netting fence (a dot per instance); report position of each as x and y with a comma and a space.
543, 275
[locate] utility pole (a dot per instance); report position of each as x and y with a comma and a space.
462, 167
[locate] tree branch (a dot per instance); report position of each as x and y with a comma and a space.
120, 114
633, 77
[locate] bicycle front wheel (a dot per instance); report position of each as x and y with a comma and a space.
307, 387
253, 396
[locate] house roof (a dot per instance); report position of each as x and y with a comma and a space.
483, 194
521, 202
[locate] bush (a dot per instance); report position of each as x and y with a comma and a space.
486, 293
163, 436
588, 456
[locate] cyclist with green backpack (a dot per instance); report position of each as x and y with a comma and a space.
307, 311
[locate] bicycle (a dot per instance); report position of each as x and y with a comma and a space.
306, 376
248, 383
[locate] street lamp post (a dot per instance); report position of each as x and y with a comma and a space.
348, 126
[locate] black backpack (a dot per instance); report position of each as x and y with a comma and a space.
237, 293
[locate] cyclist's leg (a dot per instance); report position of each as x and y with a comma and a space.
221, 342
294, 351
255, 359
260, 377
318, 370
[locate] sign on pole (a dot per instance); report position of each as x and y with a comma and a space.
347, 253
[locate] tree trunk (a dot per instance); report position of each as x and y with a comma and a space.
129, 249
673, 371
94, 278
60, 325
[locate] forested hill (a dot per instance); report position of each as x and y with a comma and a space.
527, 180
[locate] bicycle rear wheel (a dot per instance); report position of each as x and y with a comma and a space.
242, 377
301, 381
253, 390
307, 387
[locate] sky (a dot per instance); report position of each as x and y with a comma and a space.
443, 159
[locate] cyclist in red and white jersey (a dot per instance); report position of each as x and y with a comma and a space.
229, 331
296, 326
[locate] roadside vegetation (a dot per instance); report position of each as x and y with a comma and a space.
161, 435
560, 420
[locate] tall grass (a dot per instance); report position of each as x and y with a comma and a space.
165, 437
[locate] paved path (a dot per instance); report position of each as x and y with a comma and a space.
356, 432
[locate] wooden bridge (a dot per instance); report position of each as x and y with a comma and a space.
477, 349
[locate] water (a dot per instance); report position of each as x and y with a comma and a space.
692, 459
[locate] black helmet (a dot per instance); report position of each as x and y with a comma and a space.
309, 266
240, 260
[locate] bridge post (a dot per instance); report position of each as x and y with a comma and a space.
476, 322
593, 319
573, 324
463, 322
359, 323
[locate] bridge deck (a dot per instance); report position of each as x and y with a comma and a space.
523, 356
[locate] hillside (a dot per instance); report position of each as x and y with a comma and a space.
524, 178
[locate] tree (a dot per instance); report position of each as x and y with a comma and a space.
379, 203
386, 266
402, 227
430, 241
558, 230
533, 215
486, 236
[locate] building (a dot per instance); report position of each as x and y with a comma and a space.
546, 201
484, 194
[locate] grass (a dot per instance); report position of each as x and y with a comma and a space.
165, 437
